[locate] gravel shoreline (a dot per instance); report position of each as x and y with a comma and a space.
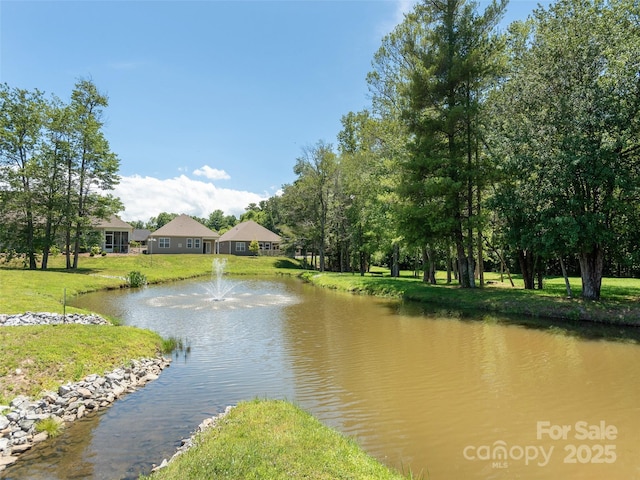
19, 420
45, 318
187, 443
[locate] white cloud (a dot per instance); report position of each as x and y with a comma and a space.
146, 197
402, 7
211, 173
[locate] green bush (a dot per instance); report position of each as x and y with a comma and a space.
136, 279
254, 247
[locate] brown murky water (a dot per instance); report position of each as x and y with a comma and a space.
444, 397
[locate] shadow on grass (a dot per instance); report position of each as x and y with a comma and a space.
286, 263
79, 270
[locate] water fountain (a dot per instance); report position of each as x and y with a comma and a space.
219, 287
215, 294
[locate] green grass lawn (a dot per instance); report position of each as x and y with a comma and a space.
273, 440
48, 356
36, 290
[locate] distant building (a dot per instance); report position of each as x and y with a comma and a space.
183, 234
140, 235
237, 240
115, 234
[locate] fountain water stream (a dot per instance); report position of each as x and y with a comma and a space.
219, 287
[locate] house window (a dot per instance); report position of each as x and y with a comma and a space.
196, 243
267, 246
240, 247
164, 242
189, 242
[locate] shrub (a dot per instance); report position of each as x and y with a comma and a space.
254, 247
136, 279
51, 425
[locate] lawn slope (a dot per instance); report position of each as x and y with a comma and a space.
273, 439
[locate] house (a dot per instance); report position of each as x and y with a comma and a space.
115, 234
237, 240
140, 235
183, 234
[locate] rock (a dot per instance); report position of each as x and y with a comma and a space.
19, 435
50, 397
13, 416
17, 449
84, 392
19, 402
118, 390
64, 390
4, 422
8, 460
115, 376
40, 437
26, 425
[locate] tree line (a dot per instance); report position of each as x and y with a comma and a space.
515, 148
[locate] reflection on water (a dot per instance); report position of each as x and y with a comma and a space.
418, 391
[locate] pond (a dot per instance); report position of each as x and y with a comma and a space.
445, 397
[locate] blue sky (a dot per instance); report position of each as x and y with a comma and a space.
210, 102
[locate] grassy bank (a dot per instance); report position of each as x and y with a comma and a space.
274, 440
619, 306
48, 356
38, 358
35, 290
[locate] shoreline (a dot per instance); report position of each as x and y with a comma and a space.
19, 431
490, 300
188, 443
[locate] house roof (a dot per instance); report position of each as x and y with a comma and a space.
140, 234
249, 231
112, 222
184, 226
